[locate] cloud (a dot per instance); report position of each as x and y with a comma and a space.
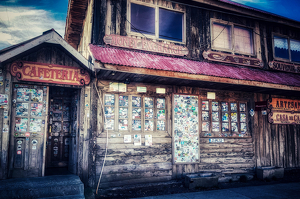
18, 24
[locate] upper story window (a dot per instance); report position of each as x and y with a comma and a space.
156, 22
232, 38
285, 48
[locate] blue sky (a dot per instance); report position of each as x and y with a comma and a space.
21, 20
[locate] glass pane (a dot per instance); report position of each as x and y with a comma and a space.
36, 125
225, 117
160, 103
22, 109
21, 124
224, 106
205, 106
36, 110
233, 117
281, 47
295, 50
221, 36
148, 102
215, 106
170, 25
215, 126
109, 124
160, 125
148, 113
66, 127
136, 113
109, 112
234, 127
23, 94
161, 114
243, 127
136, 101
142, 19
136, 125
148, 125
215, 116
225, 127
123, 113
123, 124
56, 127
109, 100
36, 95
205, 126
243, 107
233, 107
205, 115
243, 117
243, 41
123, 100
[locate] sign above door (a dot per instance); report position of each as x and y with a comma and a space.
49, 73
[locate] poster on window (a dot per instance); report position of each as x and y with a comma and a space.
127, 138
186, 132
137, 141
148, 140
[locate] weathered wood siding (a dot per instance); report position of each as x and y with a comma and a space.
275, 145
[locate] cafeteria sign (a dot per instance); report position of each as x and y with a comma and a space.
49, 73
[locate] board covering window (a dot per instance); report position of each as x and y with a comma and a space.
232, 38
157, 22
285, 48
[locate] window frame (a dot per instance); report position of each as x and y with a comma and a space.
156, 7
129, 113
232, 25
289, 46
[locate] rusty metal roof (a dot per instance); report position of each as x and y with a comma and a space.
124, 57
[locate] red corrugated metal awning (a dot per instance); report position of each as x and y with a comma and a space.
123, 57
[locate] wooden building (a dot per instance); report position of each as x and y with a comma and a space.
187, 87
45, 102
180, 87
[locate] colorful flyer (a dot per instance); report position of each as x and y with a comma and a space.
127, 138
148, 140
137, 140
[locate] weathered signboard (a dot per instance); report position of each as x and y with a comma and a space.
144, 44
280, 104
287, 67
49, 73
284, 118
232, 59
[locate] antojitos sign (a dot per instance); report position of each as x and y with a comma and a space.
232, 59
284, 111
49, 73
144, 44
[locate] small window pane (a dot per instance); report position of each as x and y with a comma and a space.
160, 125
205, 115
234, 127
234, 117
295, 50
205, 106
148, 125
224, 106
136, 113
215, 126
225, 127
205, 126
242, 107
109, 112
148, 113
136, 125
136, 101
142, 19
243, 127
215, 116
225, 117
148, 102
281, 47
109, 100
123, 100
170, 25
161, 114
243, 41
243, 117
221, 36
233, 107
109, 124
123, 113
160, 103
123, 124
215, 106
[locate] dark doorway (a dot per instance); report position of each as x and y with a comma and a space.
62, 131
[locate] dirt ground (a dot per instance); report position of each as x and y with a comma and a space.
174, 187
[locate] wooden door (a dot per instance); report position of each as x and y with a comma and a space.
59, 128
29, 116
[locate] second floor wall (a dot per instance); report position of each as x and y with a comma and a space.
198, 28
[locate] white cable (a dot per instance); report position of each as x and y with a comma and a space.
106, 137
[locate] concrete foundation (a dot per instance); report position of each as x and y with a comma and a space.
269, 172
201, 180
